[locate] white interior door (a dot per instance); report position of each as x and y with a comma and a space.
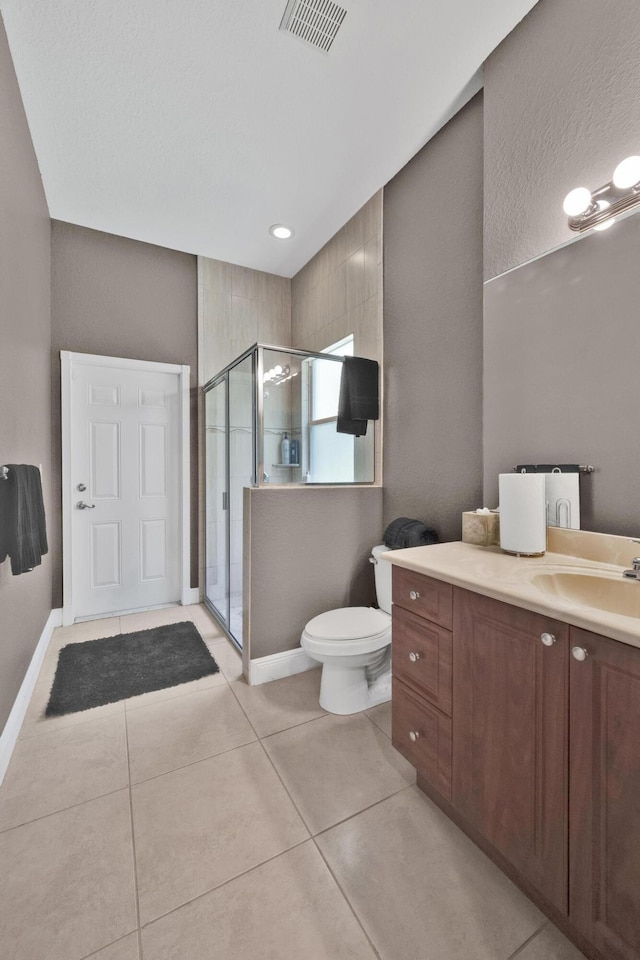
124, 486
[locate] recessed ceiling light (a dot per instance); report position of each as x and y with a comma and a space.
280, 231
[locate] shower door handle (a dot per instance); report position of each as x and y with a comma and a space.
225, 503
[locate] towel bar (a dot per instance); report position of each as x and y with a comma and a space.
552, 468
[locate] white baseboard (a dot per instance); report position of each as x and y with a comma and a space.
191, 596
279, 665
14, 721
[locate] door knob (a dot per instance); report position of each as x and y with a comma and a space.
81, 487
413, 657
414, 594
579, 653
548, 639
413, 735
81, 505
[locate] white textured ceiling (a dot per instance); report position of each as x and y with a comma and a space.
195, 124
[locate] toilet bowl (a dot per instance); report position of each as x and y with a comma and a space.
353, 644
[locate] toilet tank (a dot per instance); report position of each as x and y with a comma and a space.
382, 571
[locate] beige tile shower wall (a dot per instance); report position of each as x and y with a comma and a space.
339, 292
239, 307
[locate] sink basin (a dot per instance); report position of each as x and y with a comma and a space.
603, 593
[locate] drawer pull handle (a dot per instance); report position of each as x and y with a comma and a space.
414, 735
579, 653
414, 595
414, 657
548, 639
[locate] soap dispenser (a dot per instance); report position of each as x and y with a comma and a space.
285, 449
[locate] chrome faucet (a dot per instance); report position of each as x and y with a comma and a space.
634, 573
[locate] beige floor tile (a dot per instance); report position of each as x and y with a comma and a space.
288, 908
50, 664
36, 723
381, 716
227, 658
67, 881
175, 732
147, 619
206, 623
62, 768
336, 766
206, 823
550, 944
126, 949
282, 703
87, 630
414, 879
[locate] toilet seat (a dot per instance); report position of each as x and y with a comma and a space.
347, 631
349, 623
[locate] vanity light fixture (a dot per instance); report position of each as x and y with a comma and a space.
597, 209
278, 374
280, 231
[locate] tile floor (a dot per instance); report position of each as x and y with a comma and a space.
217, 821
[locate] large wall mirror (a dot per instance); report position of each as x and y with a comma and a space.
562, 371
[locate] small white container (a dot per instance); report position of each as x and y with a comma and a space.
523, 521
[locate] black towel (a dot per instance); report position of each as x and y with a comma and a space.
403, 532
359, 399
23, 532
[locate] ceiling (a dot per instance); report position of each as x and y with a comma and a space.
196, 124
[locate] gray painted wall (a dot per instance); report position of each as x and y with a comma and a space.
561, 109
561, 349
432, 459
308, 552
25, 402
121, 298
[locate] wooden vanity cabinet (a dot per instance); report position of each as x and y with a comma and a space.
604, 889
510, 696
529, 738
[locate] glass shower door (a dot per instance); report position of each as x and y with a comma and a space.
216, 502
241, 474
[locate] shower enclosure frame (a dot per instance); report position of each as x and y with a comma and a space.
256, 351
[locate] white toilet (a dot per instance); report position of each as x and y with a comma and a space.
353, 644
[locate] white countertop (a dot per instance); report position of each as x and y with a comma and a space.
489, 571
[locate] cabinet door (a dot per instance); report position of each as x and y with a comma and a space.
423, 735
510, 764
604, 819
421, 657
424, 596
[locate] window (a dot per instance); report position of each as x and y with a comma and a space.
331, 454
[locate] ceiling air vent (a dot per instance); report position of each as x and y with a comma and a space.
316, 21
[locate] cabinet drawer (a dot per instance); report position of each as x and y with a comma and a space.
422, 734
421, 657
423, 596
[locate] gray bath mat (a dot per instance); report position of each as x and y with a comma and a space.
103, 671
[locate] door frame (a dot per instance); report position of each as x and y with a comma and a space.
68, 360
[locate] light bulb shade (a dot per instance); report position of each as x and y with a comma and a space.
627, 173
577, 202
604, 205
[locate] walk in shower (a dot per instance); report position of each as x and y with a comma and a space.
270, 418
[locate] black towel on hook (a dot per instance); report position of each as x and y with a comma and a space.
23, 532
359, 396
